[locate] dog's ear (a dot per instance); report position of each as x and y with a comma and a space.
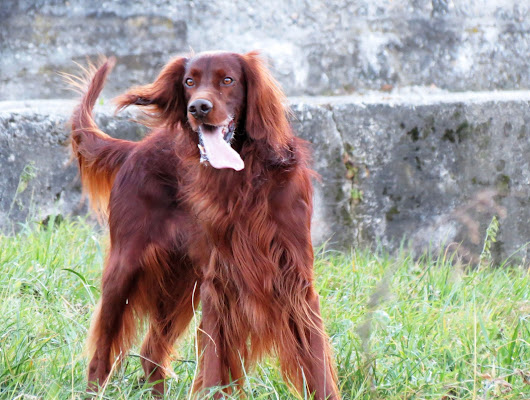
266, 105
164, 98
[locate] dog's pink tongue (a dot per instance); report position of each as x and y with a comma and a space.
220, 154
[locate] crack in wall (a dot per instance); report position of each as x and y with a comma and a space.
348, 179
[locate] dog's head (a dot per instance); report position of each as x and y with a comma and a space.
226, 99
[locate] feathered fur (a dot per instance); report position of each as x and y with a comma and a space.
99, 156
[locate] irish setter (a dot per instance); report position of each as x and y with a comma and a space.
214, 205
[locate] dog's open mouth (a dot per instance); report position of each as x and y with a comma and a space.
214, 145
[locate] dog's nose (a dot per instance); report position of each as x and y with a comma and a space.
200, 108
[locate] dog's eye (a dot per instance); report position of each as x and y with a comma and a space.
227, 80
189, 82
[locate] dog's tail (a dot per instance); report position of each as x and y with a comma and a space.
99, 156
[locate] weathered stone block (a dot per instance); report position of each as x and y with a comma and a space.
425, 167
433, 167
316, 47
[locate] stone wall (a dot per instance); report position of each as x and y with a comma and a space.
315, 46
413, 164
417, 141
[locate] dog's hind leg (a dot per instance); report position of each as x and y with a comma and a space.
113, 324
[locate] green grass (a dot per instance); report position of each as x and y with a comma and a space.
401, 328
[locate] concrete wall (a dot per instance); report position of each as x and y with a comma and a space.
399, 151
415, 164
315, 46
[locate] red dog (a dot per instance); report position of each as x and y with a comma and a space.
215, 204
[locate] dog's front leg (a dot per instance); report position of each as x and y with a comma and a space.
210, 350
